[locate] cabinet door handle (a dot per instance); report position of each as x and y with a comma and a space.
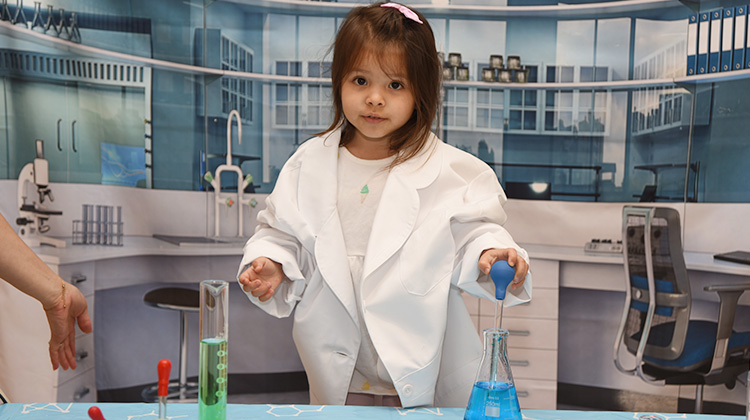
522, 394
78, 396
59, 146
519, 363
81, 355
73, 135
520, 333
78, 278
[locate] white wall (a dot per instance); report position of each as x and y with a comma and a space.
708, 227
145, 212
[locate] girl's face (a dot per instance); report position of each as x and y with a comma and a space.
376, 103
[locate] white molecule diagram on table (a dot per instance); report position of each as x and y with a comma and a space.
291, 410
636, 416
65, 408
407, 411
153, 414
294, 411
28, 408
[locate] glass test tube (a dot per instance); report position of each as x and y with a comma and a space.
119, 226
212, 367
98, 225
110, 224
91, 228
105, 225
84, 223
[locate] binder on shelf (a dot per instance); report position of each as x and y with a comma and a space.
727, 33
692, 45
740, 24
714, 43
704, 26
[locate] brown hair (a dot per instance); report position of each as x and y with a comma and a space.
372, 30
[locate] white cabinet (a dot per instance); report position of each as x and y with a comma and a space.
74, 120
533, 336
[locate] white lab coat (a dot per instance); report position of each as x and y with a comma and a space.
437, 213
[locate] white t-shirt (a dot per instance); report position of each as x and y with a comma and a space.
360, 186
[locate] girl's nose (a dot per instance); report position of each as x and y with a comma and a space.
375, 98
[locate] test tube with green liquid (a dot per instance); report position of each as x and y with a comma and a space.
212, 367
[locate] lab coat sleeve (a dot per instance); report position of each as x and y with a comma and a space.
271, 241
476, 226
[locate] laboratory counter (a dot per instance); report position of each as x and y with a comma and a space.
136, 246
114, 279
147, 245
63, 411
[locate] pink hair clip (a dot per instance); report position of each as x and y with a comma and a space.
404, 10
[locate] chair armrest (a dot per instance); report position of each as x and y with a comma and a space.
727, 287
729, 295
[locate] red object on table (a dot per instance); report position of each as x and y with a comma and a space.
163, 367
95, 413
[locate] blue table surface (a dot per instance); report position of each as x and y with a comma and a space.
137, 411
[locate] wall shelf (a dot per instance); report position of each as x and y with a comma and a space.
84, 50
672, 9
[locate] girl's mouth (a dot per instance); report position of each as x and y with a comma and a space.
373, 118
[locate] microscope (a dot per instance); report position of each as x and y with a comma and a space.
33, 215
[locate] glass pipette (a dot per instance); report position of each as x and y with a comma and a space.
163, 367
502, 275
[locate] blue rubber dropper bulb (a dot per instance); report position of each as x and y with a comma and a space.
501, 274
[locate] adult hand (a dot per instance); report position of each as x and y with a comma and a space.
62, 317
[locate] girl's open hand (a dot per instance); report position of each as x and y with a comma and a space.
490, 256
262, 278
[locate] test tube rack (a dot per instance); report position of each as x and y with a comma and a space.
100, 225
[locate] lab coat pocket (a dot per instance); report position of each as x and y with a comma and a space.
427, 258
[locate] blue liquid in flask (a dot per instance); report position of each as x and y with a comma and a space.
493, 400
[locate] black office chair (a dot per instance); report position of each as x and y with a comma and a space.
183, 300
669, 347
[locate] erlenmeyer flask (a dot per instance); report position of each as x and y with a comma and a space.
62, 27
37, 24
212, 366
75, 33
5, 13
19, 18
494, 394
49, 27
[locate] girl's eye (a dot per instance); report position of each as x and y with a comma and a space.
396, 85
360, 81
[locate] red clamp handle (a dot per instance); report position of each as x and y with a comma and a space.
164, 367
95, 413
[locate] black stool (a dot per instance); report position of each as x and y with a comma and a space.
183, 300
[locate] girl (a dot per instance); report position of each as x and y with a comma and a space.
376, 225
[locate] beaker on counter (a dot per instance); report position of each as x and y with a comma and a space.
212, 366
493, 396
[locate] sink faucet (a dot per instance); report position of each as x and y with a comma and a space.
242, 181
233, 113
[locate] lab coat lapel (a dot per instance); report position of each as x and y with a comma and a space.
317, 203
399, 205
